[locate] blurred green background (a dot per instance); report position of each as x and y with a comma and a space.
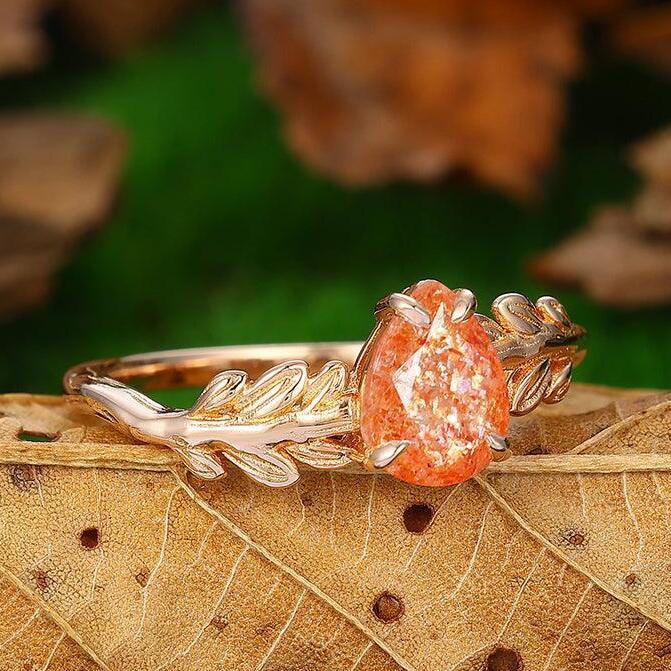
221, 236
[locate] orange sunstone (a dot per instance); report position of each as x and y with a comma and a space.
441, 387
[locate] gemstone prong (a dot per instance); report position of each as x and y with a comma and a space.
407, 308
382, 456
497, 442
465, 305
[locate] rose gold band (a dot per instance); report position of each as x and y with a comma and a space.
195, 367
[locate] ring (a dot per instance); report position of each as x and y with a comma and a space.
426, 398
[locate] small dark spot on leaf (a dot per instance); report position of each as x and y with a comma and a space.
142, 577
503, 659
41, 579
37, 436
633, 621
306, 500
537, 450
219, 622
418, 517
90, 538
265, 629
388, 607
632, 581
664, 652
24, 477
574, 538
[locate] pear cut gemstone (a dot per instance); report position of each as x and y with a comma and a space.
441, 387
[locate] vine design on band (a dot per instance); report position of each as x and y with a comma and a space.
257, 425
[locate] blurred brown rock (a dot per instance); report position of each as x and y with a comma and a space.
59, 174
376, 90
114, 26
22, 46
623, 257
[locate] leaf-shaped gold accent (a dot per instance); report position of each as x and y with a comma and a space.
528, 385
277, 389
232, 413
325, 387
200, 461
494, 330
220, 394
537, 347
136, 403
553, 311
561, 379
517, 313
323, 454
271, 468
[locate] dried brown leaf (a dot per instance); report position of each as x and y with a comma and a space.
623, 257
22, 44
652, 158
58, 168
117, 26
611, 261
645, 33
59, 175
380, 90
373, 91
124, 569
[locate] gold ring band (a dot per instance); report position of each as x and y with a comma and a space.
427, 397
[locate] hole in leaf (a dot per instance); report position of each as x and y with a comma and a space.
503, 659
219, 622
388, 607
90, 538
418, 517
37, 436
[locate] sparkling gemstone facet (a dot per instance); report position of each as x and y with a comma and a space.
441, 387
